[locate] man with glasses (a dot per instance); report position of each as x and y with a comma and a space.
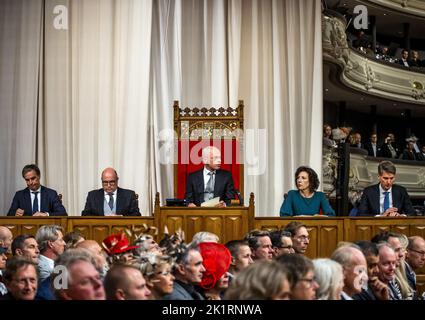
299, 235
415, 258
111, 200
281, 242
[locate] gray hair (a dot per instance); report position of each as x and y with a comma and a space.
45, 234
204, 236
207, 151
328, 274
344, 255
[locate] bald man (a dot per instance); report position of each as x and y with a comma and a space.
111, 200
6, 238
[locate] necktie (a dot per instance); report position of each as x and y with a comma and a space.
209, 189
111, 200
35, 203
386, 201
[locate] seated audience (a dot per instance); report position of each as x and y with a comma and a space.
3, 260
97, 253
356, 141
409, 153
389, 148
6, 238
387, 266
118, 248
354, 268
210, 182
299, 235
72, 239
26, 246
260, 243
327, 137
188, 270
329, 277
82, 279
300, 270
404, 58
385, 198
51, 246
35, 199
204, 236
415, 259
241, 256
281, 242
20, 278
263, 280
125, 282
306, 200
372, 147
414, 60
111, 200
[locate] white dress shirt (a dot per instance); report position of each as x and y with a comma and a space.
382, 196
38, 198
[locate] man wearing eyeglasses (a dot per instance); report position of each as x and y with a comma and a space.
415, 259
281, 242
111, 200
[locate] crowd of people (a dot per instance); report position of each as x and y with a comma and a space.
266, 264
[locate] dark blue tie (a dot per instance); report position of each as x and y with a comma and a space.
35, 203
111, 200
386, 200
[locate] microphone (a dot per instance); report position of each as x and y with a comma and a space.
239, 196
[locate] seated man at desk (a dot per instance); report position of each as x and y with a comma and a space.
35, 200
111, 200
210, 182
385, 198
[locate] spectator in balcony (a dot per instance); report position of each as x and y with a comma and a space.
362, 42
404, 58
306, 200
372, 147
389, 148
416, 147
385, 198
384, 54
356, 141
414, 60
408, 152
327, 137
423, 153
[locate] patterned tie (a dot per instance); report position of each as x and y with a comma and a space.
209, 189
386, 200
35, 203
111, 200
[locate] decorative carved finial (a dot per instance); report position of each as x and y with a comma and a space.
251, 198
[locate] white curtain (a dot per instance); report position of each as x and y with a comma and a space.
108, 83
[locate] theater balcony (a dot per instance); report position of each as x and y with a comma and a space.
410, 7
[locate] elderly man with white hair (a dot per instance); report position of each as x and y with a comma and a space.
210, 182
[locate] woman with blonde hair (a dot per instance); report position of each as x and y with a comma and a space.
329, 276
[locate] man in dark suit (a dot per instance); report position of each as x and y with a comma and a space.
372, 147
35, 200
385, 198
210, 182
111, 200
389, 148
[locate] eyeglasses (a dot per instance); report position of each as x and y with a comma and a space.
112, 182
286, 247
309, 282
422, 253
303, 238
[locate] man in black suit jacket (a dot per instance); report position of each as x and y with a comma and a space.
197, 187
372, 146
373, 200
35, 200
111, 200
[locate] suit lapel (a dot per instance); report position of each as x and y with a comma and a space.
43, 201
99, 200
27, 202
377, 196
201, 182
395, 197
118, 204
217, 179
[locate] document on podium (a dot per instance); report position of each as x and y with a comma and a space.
211, 203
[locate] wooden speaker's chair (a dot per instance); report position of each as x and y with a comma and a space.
197, 128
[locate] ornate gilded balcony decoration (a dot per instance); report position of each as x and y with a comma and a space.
364, 73
412, 7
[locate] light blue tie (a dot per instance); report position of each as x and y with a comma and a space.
386, 200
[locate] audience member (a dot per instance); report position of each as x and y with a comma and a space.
125, 282
118, 248
389, 148
263, 280
372, 147
26, 246
300, 237
97, 253
260, 244
328, 275
72, 239
404, 58
241, 256
306, 200
6, 238
357, 141
204, 236
387, 266
51, 246
35, 199
20, 278
415, 259
281, 242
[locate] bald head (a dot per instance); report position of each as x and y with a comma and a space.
211, 157
6, 237
95, 250
109, 180
415, 256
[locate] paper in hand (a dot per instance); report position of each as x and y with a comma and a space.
211, 203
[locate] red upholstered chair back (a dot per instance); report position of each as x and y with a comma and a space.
197, 128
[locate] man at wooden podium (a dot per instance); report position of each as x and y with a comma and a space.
210, 182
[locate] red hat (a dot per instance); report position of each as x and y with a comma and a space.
116, 243
216, 262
